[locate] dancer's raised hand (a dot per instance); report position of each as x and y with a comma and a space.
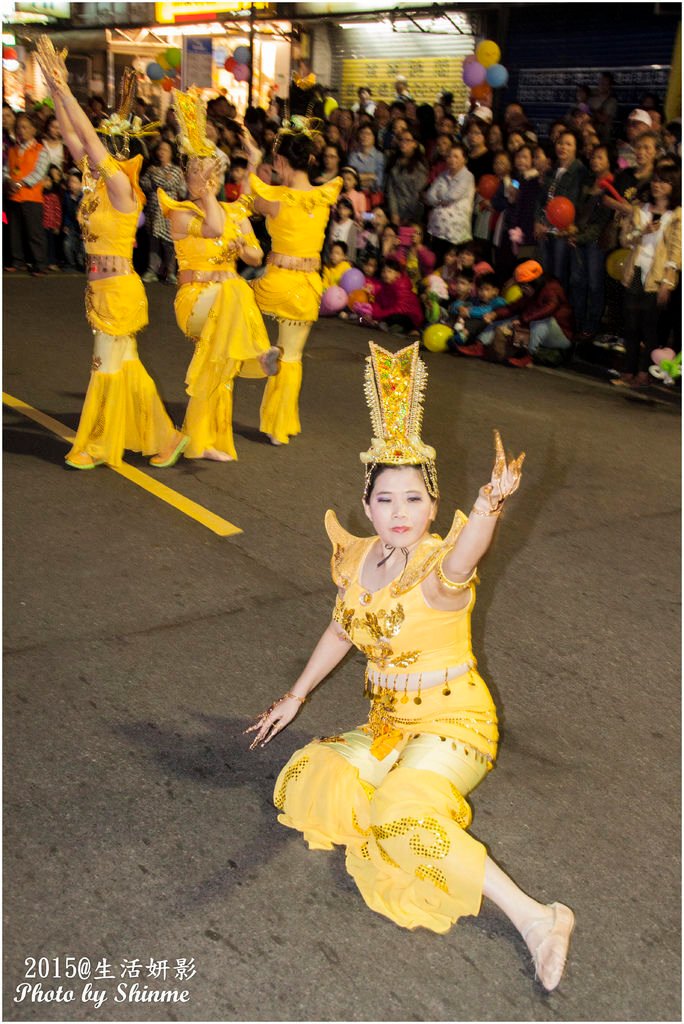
505, 478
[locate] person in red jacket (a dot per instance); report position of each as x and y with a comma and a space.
543, 309
396, 304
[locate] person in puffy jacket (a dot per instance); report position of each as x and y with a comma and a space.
396, 304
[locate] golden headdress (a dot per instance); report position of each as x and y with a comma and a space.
395, 388
120, 127
192, 118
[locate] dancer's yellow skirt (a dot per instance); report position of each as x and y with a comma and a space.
289, 294
229, 335
402, 816
116, 305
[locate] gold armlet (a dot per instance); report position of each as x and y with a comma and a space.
195, 227
490, 512
450, 584
108, 167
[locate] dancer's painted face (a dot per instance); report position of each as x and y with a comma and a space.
399, 506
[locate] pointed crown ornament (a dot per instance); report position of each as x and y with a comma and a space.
192, 118
120, 127
395, 389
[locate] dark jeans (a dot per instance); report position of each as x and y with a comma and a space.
587, 286
162, 256
27, 234
74, 253
641, 325
554, 255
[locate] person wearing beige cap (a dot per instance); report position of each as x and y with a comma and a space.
401, 88
638, 122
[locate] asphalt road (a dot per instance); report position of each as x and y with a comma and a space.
138, 645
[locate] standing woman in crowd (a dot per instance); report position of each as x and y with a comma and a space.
122, 407
331, 161
566, 178
405, 180
451, 198
296, 215
27, 166
654, 236
52, 142
215, 307
588, 250
518, 202
167, 175
368, 161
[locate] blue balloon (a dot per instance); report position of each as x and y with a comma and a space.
497, 76
155, 71
241, 54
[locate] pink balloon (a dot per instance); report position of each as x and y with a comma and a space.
352, 280
333, 301
241, 73
658, 354
474, 74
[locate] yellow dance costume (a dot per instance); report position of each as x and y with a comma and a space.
122, 407
290, 291
218, 312
393, 791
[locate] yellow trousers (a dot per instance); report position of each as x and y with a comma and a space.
122, 407
280, 404
402, 820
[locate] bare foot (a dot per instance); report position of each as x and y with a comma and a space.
216, 455
269, 361
548, 939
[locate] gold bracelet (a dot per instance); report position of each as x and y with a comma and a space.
490, 512
108, 167
451, 584
195, 227
302, 700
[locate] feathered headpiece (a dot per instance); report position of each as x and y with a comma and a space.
395, 389
192, 118
120, 127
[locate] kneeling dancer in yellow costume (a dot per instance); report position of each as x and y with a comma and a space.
122, 407
215, 307
296, 214
393, 791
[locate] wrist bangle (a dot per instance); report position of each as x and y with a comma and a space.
302, 700
490, 512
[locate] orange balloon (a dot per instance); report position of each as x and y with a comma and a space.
168, 84
359, 295
482, 93
488, 186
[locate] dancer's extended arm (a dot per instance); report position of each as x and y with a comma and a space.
327, 653
476, 536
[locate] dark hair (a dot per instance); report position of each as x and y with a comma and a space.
569, 131
490, 279
466, 272
427, 125
398, 105
671, 173
363, 88
648, 134
347, 203
393, 264
522, 149
351, 170
341, 245
376, 469
297, 148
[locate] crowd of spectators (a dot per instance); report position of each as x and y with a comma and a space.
444, 212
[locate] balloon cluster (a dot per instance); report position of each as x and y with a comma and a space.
166, 69
482, 72
238, 64
348, 292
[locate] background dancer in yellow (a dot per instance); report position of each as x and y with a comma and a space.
290, 290
214, 306
393, 791
122, 407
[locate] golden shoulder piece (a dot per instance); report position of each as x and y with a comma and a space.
395, 387
348, 551
427, 557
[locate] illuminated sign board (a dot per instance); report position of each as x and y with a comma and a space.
178, 13
47, 9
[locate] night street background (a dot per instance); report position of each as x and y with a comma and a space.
138, 646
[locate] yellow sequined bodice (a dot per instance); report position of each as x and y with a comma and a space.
299, 228
195, 253
106, 231
394, 627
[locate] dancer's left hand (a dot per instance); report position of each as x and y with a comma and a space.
505, 478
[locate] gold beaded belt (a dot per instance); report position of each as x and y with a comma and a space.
308, 264
109, 265
204, 276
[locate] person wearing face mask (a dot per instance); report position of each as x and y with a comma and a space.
393, 791
450, 198
566, 178
215, 307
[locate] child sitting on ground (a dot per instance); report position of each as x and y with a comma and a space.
473, 318
418, 258
336, 264
458, 291
396, 306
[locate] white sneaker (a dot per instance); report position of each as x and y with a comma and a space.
149, 277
